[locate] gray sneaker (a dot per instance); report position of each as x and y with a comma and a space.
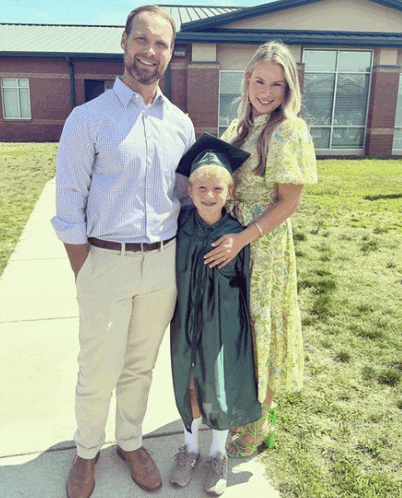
185, 462
217, 474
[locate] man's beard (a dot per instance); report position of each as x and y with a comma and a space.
142, 74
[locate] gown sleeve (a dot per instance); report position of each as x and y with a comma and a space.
291, 155
184, 215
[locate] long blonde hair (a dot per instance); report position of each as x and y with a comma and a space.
273, 51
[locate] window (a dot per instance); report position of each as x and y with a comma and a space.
229, 90
398, 119
336, 90
16, 98
94, 88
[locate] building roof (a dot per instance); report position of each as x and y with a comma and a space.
198, 24
29, 39
190, 13
87, 40
266, 8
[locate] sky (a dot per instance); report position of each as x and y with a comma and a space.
108, 12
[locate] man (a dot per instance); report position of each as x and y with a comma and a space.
117, 214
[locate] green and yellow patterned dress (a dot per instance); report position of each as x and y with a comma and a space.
275, 313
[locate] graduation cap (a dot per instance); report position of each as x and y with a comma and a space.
211, 150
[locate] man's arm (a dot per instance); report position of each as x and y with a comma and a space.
75, 160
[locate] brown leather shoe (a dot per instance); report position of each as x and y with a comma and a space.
143, 469
81, 480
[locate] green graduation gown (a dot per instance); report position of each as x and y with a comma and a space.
211, 331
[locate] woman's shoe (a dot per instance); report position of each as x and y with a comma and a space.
252, 436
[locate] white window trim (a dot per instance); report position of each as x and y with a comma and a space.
18, 102
394, 150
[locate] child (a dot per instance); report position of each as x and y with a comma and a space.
211, 342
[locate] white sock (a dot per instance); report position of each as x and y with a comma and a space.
191, 438
218, 443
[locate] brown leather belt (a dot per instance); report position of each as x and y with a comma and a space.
130, 246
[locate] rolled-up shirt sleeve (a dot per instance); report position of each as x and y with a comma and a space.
75, 160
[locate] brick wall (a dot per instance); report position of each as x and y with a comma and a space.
382, 108
33, 131
178, 83
300, 73
194, 89
50, 93
203, 96
49, 88
99, 69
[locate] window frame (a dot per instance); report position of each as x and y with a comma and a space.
398, 127
18, 87
219, 96
336, 73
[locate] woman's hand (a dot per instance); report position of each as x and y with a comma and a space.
226, 248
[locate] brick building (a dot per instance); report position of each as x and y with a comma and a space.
349, 54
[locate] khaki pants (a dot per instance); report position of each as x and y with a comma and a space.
126, 302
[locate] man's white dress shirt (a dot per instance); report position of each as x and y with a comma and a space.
116, 168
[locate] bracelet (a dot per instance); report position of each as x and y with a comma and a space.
259, 228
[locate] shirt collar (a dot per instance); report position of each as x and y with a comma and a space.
125, 94
206, 226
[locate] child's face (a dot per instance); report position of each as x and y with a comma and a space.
209, 193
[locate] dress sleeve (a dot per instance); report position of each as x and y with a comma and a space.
230, 131
291, 155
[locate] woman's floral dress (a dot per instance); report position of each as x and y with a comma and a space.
273, 301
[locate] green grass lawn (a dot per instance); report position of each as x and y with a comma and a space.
341, 437
24, 170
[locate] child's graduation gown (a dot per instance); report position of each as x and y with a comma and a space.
211, 331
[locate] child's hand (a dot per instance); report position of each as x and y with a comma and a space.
226, 248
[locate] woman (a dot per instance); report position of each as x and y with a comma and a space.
269, 185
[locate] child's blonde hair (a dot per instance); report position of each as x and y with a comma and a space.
214, 169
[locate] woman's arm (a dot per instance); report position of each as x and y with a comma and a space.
228, 246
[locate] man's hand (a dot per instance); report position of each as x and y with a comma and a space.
77, 254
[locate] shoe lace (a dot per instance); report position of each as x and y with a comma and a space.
218, 466
181, 457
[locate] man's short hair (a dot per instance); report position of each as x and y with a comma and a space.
154, 9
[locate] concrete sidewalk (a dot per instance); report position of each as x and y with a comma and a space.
38, 371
